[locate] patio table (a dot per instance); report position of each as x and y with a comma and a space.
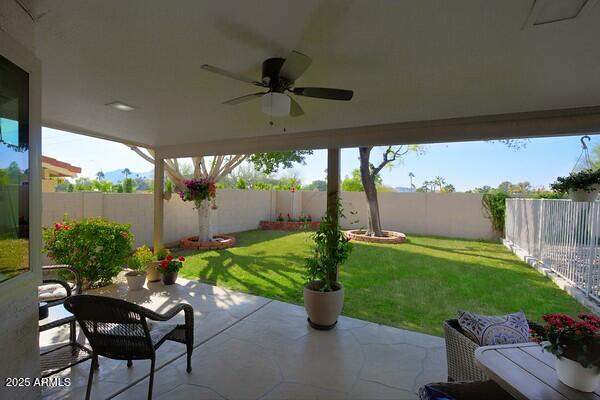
526, 372
64, 355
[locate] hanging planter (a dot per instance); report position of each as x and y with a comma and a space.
583, 195
580, 186
199, 190
583, 183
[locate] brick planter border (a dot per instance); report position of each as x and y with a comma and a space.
192, 243
391, 237
289, 225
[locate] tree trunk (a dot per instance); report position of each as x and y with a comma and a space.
368, 181
204, 228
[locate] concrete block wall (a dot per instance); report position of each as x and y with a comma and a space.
442, 214
438, 214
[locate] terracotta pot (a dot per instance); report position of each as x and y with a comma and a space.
169, 278
323, 308
573, 374
582, 195
152, 271
135, 279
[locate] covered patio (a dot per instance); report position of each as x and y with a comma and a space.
422, 72
249, 347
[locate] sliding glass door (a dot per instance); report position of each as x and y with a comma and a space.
14, 170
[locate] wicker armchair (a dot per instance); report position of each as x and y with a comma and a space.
119, 330
460, 352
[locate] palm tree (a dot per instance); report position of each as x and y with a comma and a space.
411, 176
126, 172
100, 175
438, 182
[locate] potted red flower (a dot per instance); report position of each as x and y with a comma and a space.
169, 267
576, 345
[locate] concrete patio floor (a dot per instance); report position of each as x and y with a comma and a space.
249, 347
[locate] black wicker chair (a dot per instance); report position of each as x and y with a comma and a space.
119, 330
69, 289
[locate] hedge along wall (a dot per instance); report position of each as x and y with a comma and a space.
444, 214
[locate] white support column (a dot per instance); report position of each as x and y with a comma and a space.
159, 180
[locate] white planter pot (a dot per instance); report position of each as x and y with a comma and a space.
582, 195
323, 308
135, 280
572, 374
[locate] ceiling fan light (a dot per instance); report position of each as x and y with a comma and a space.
276, 104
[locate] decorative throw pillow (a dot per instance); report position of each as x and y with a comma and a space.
489, 330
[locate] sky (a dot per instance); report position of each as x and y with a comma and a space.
465, 165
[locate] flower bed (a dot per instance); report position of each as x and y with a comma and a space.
391, 237
219, 242
289, 225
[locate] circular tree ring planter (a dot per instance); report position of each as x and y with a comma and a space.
219, 242
391, 237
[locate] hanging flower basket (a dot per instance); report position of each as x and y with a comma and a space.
198, 190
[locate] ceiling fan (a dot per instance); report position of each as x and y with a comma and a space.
278, 77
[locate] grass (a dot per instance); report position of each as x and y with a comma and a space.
14, 257
415, 285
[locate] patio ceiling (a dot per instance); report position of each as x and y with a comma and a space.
408, 62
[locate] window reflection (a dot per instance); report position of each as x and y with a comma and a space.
14, 170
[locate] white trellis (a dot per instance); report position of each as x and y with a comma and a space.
563, 234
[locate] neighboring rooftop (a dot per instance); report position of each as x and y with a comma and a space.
57, 168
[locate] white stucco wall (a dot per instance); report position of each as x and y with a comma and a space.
443, 214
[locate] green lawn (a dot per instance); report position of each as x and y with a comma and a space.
14, 257
415, 285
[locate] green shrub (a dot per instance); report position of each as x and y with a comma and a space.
494, 206
94, 246
142, 257
128, 185
327, 257
162, 254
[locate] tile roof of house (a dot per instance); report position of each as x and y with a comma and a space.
61, 164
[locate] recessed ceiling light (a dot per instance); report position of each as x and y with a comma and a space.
120, 106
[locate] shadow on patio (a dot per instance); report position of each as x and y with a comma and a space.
253, 347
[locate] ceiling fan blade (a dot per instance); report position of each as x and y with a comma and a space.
231, 75
324, 93
243, 99
295, 109
294, 66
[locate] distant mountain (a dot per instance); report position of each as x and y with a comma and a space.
118, 175
403, 189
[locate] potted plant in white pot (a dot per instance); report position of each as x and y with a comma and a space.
580, 186
154, 264
576, 345
324, 294
136, 276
